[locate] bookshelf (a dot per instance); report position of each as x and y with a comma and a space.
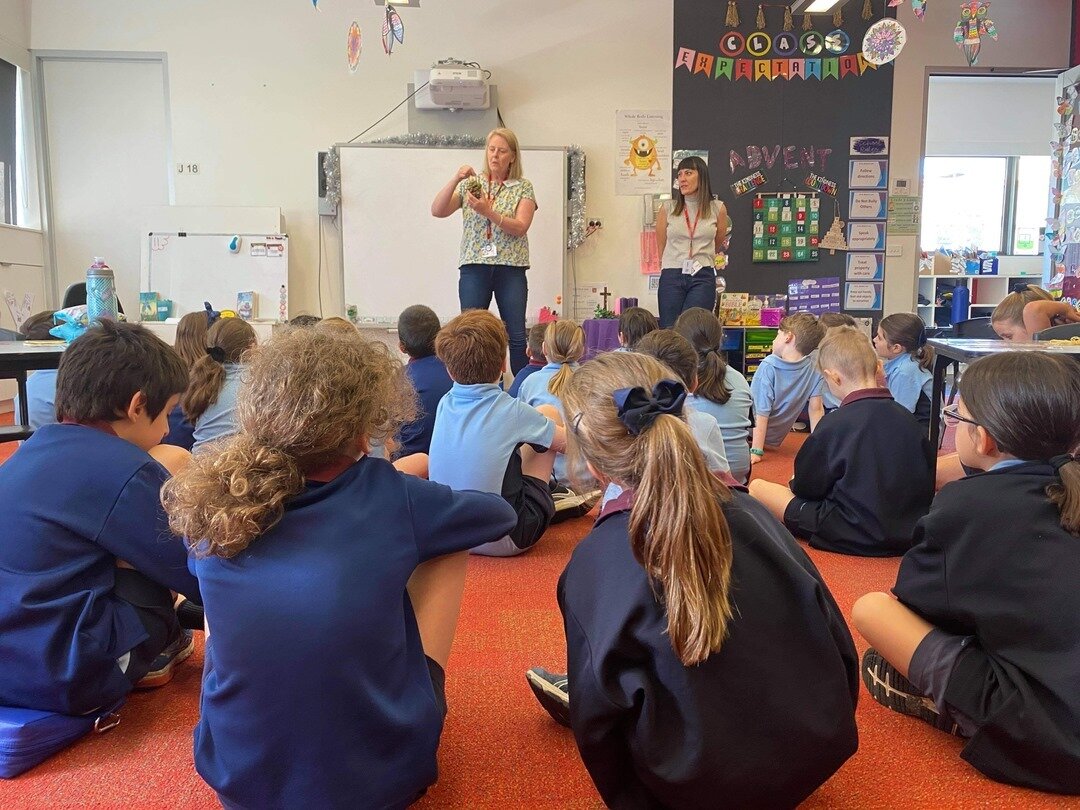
747, 346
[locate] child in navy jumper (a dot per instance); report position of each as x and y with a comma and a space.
190, 344
537, 358
865, 476
983, 638
708, 662
901, 344
210, 401
786, 382
417, 327
485, 439
332, 584
87, 561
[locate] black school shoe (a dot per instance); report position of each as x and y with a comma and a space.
893, 691
550, 689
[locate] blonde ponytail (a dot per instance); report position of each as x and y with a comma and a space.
564, 343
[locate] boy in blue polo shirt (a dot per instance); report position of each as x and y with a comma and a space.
785, 382
417, 327
87, 562
486, 440
537, 359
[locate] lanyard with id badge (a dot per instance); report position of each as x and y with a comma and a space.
689, 266
490, 250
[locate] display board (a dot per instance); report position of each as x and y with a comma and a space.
189, 269
395, 253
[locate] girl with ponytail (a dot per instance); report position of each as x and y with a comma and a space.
331, 582
210, 400
983, 639
909, 363
722, 391
684, 596
190, 344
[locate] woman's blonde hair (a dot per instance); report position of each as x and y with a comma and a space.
564, 343
1011, 308
190, 341
678, 531
309, 393
511, 140
226, 343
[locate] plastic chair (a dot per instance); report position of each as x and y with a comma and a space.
75, 295
971, 329
1062, 332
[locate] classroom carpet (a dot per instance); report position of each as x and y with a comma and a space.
499, 749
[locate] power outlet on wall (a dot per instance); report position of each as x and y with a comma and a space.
596, 223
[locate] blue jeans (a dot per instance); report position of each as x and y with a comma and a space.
475, 287
678, 293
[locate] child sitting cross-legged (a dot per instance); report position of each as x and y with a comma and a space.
865, 477
703, 646
983, 637
537, 359
332, 583
417, 327
486, 440
87, 564
908, 362
786, 382
634, 324
210, 401
190, 344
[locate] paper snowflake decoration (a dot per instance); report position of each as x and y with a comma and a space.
883, 41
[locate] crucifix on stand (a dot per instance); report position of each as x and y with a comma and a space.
606, 295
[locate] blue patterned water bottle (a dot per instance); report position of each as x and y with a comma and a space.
100, 292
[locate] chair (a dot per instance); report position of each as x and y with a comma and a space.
75, 295
972, 329
1062, 332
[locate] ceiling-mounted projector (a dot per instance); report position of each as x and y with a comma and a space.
452, 85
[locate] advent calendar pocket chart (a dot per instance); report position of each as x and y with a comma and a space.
786, 227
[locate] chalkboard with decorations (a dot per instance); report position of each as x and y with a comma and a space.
783, 107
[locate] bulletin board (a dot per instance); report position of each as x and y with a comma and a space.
794, 112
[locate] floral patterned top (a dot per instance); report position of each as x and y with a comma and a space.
509, 250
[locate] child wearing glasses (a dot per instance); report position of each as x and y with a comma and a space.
983, 639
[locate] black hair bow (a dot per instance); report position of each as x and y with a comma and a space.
638, 409
1057, 462
216, 353
211, 314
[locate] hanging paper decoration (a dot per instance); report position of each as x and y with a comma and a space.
807, 22
315, 4
867, 10
761, 17
918, 6
834, 239
732, 19
789, 24
883, 41
352, 47
392, 29
974, 24
838, 17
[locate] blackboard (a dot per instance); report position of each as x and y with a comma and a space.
715, 111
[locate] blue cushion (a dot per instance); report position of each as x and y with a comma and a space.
29, 736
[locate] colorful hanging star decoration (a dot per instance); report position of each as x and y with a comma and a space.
974, 24
918, 6
883, 41
392, 29
353, 44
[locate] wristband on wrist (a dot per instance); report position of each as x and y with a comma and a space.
755, 452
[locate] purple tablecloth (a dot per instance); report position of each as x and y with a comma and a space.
600, 336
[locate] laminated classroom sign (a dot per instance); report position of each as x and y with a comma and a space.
868, 174
866, 236
868, 205
863, 295
865, 267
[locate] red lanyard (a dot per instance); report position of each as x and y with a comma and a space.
494, 197
691, 229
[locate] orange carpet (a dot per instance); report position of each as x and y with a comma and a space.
499, 749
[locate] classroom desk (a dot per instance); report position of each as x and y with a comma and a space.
967, 350
16, 359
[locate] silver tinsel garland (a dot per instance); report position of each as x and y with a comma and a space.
332, 169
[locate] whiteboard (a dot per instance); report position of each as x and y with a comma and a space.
191, 268
395, 253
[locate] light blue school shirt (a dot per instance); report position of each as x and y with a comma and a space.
828, 398
907, 380
534, 391
780, 390
40, 398
477, 428
1006, 463
219, 419
733, 417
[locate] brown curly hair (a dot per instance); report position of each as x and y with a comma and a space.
310, 393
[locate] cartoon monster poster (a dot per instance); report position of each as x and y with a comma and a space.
642, 151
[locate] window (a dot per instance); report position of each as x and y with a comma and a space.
989, 203
9, 113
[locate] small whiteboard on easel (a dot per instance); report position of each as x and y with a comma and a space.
189, 269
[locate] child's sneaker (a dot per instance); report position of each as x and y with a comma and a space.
893, 691
161, 671
551, 690
568, 504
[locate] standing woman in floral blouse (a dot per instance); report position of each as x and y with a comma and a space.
498, 207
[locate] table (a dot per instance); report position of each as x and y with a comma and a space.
967, 350
16, 359
601, 335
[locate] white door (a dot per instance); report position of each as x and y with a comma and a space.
108, 146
